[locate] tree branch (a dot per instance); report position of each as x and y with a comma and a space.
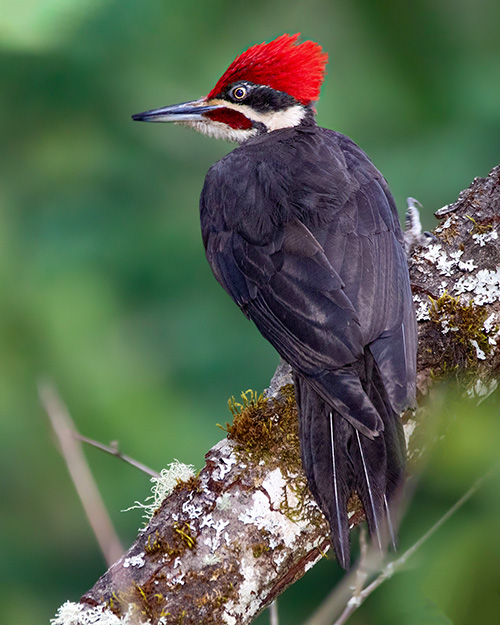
223, 546
113, 450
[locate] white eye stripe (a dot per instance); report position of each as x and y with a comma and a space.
272, 120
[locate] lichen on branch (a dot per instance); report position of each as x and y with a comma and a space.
456, 286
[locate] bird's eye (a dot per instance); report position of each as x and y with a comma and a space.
239, 93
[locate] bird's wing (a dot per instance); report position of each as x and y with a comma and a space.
279, 275
292, 293
366, 251
296, 300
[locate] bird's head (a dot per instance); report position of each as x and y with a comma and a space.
269, 86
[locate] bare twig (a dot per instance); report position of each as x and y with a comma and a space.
361, 569
113, 450
365, 568
273, 613
394, 566
361, 575
81, 475
341, 602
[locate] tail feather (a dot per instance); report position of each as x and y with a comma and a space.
325, 464
390, 524
393, 436
369, 474
341, 494
393, 450
339, 459
329, 471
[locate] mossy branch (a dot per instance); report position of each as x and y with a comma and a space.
225, 544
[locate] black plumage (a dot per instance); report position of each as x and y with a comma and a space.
302, 231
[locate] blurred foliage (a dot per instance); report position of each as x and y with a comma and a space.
104, 284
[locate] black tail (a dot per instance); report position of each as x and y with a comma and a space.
339, 460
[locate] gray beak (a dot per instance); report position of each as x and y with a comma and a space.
187, 111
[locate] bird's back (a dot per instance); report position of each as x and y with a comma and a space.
324, 181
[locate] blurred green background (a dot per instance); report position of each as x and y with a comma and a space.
105, 287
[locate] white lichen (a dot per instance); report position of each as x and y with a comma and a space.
137, 561
445, 264
191, 510
223, 502
479, 352
433, 252
224, 467
482, 390
249, 589
219, 527
178, 579
445, 326
468, 265
163, 486
212, 543
484, 286
210, 559
485, 237
279, 558
229, 619
421, 310
249, 600
80, 614
409, 428
265, 511
311, 563
207, 521
490, 323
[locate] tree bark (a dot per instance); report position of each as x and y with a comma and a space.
225, 544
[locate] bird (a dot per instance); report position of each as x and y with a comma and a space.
301, 230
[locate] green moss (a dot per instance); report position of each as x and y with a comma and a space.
479, 228
136, 597
153, 546
258, 549
459, 327
149, 601
114, 603
448, 234
156, 544
183, 530
214, 593
267, 431
192, 484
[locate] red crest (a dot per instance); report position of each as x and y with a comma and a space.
283, 64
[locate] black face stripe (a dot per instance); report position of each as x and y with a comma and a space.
259, 97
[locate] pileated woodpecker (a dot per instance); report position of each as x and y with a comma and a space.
302, 231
